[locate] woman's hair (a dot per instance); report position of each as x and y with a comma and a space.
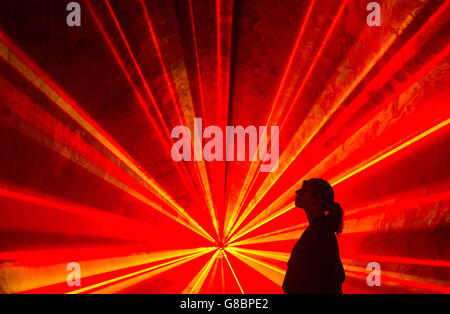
324, 192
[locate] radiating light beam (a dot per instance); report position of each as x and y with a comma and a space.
366, 165
232, 271
185, 173
300, 90
29, 71
336, 181
251, 174
278, 256
164, 140
269, 271
285, 234
272, 179
65, 152
107, 282
196, 284
394, 279
126, 283
199, 166
396, 260
197, 60
410, 142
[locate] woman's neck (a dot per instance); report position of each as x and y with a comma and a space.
313, 214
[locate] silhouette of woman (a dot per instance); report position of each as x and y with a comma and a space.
315, 265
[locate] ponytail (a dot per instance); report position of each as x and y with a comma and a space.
323, 192
335, 217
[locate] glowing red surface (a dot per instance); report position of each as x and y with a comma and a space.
86, 113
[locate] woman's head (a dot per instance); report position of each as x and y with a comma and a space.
318, 195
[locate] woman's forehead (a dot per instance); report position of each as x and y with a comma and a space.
304, 185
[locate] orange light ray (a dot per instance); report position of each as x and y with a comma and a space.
185, 175
389, 153
285, 234
232, 271
259, 221
311, 124
279, 256
368, 164
197, 282
197, 60
125, 228
127, 283
136, 91
394, 203
75, 112
251, 174
300, 90
395, 279
316, 58
146, 270
42, 268
70, 155
182, 172
397, 260
199, 166
224, 30
269, 271
338, 180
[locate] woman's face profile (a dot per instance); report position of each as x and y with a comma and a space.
303, 198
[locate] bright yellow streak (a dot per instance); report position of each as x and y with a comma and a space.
248, 228
207, 193
440, 285
391, 152
213, 273
103, 283
24, 278
315, 120
179, 73
279, 256
196, 284
77, 115
234, 274
272, 272
233, 251
74, 157
337, 181
222, 277
289, 233
249, 179
136, 280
